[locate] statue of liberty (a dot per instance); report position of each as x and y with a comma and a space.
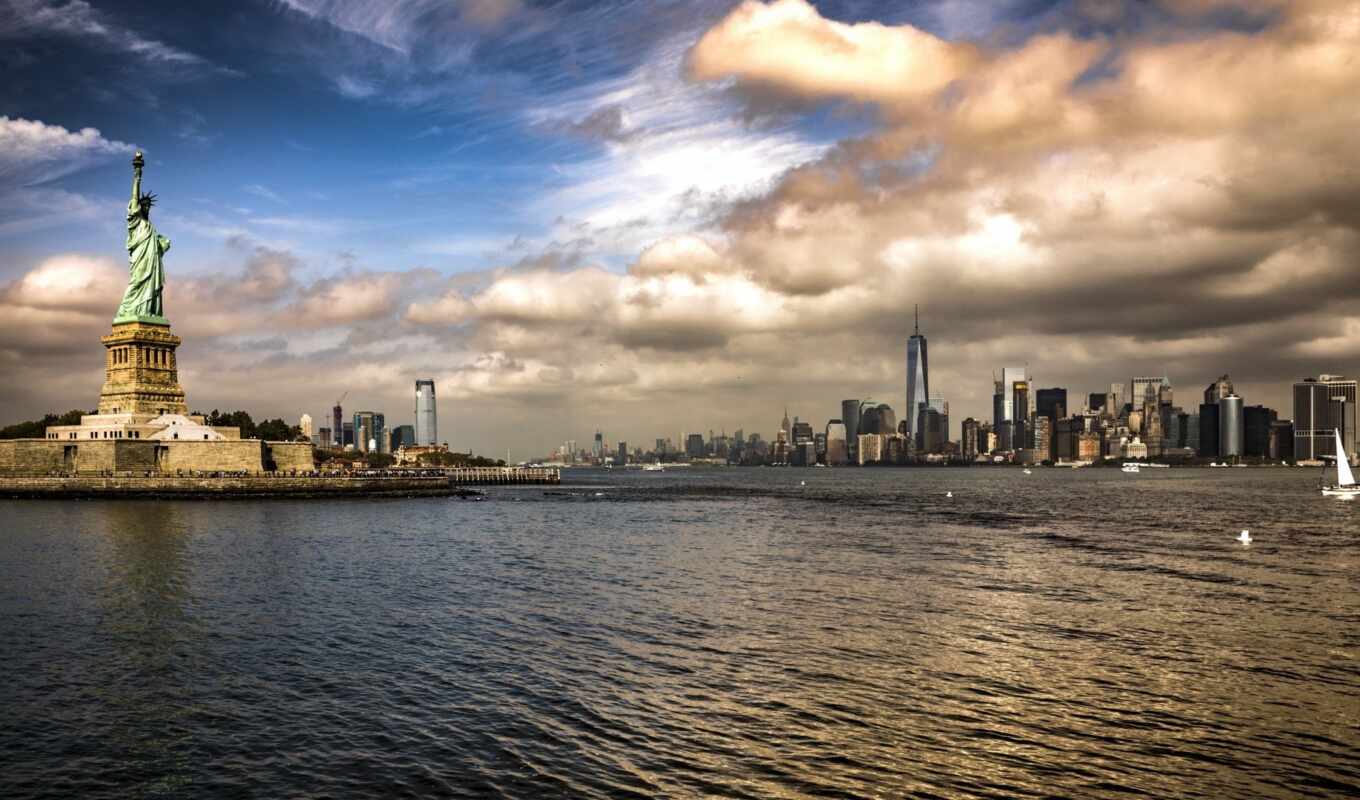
146, 270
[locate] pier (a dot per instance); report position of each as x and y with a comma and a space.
361, 483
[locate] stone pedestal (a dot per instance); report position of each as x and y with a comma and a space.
140, 372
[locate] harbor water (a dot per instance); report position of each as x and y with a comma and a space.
722, 632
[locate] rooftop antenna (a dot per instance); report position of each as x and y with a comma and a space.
918, 319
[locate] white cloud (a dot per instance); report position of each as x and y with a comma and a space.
31, 151
76, 18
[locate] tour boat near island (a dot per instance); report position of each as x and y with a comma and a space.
1345, 481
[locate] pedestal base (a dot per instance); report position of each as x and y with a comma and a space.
141, 376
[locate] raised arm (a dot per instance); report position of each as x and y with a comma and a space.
137, 164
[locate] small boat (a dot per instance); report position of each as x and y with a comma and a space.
1345, 481
1129, 466
1028, 472
653, 468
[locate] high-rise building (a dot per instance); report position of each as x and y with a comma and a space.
969, 439
1042, 438
1322, 405
347, 434
402, 436
1281, 440
1052, 403
1003, 400
1230, 426
1139, 387
621, 455
338, 427
850, 418
942, 406
837, 450
324, 438
1208, 430
1256, 422
597, 447
365, 429
918, 376
427, 430
1218, 390
870, 448
1116, 399
1095, 401
305, 423
694, 445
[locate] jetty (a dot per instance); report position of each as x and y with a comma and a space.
451, 482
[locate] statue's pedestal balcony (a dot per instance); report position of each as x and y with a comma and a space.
140, 371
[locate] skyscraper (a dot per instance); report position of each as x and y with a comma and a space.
338, 429
918, 376
1138, 388
1003, 401
850, 417
1321, 405
305, 423
1230, 426
837, 451
426, 429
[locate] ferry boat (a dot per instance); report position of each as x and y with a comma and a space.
653, 468
1345, 481
1129, 466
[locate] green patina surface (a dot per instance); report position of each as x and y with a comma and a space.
146, 252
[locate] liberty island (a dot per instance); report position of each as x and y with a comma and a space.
144, 440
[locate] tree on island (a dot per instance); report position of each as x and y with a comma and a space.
37, 429
445, 459
273, 430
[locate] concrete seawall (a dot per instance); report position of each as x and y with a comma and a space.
450, 483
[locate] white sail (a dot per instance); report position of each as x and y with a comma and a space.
1343, 467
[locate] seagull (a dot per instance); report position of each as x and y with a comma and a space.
802, 483
1244, 537
948, 494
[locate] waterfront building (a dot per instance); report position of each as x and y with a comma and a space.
1321, 405
942, 406
597, 447
969, 439
837, 449
1041, 438
1088, 446
1256, 422
918, 376
801, 433
1132, 449
850, 418
426, 427
1281, 447
694, 442
1230, 426
819, 447
870, 448
896, 449
347, 434
324, 437
621, 455
1208, 430
1190, 432
402, 436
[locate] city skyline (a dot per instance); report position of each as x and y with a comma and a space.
571, 219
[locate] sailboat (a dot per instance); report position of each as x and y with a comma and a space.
1345, 481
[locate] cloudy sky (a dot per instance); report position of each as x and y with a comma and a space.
676, 215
